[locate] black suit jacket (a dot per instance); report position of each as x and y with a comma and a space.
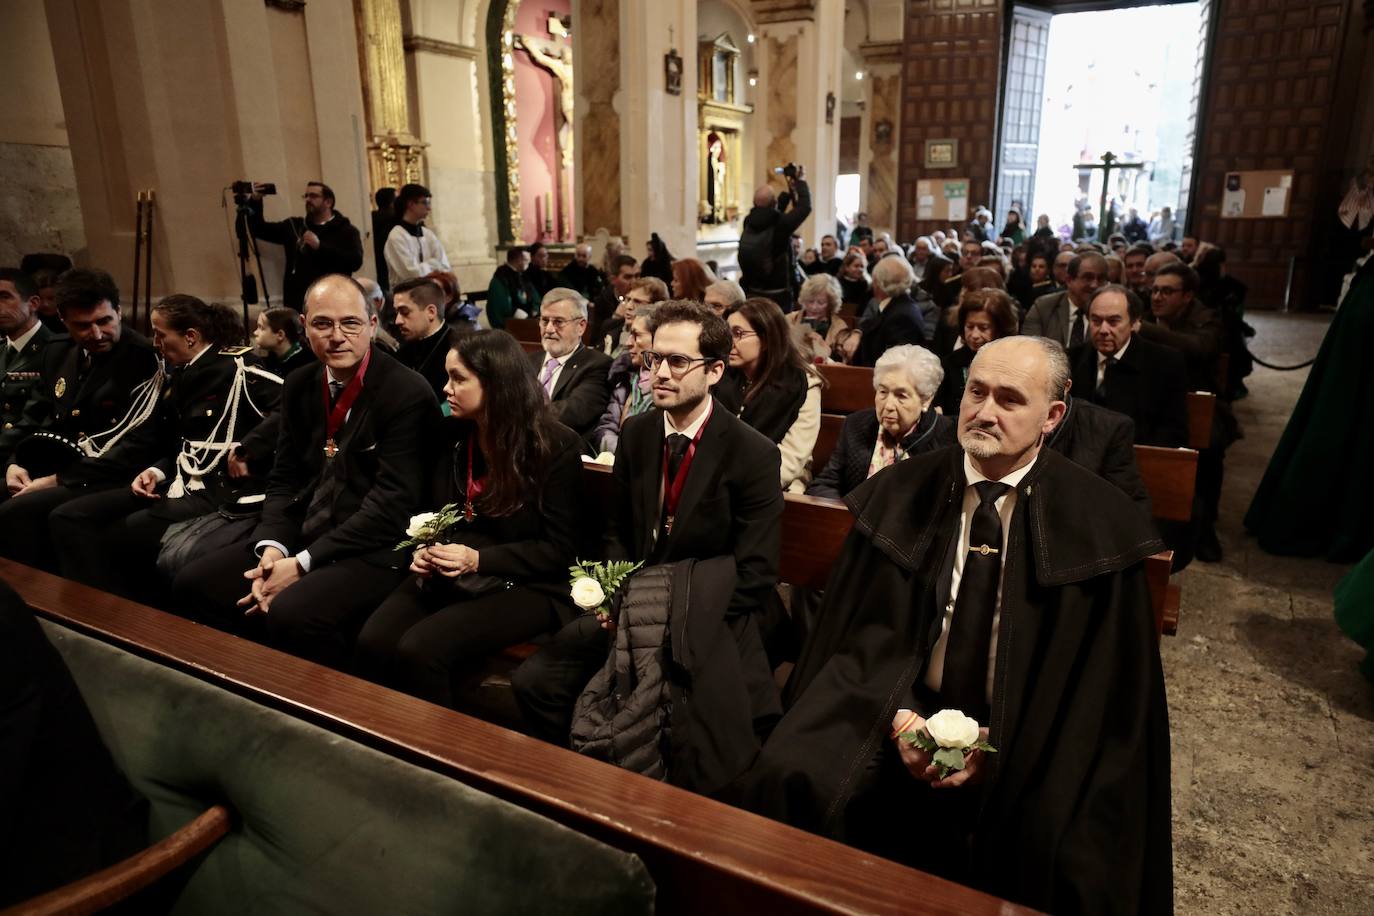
21, 377
1149, 384
582, 392
380, 465
899, 323
70, 406
730, 503
848, 464
1101, 440
427, 358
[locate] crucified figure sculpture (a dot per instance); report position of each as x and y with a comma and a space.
561, 66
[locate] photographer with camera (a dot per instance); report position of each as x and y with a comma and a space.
324, 242
765, 245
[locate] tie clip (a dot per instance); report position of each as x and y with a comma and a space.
983, 550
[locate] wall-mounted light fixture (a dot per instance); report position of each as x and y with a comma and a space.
858, 74
749, 38
753, 77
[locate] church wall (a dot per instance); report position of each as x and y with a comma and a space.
39, 208
536, 93
952, 54
1269, 98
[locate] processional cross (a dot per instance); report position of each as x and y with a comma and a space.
1109, 162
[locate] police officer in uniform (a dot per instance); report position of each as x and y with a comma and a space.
22, 351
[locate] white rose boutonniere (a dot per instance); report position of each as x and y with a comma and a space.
429, 528
949, 737
420, 524
594, 585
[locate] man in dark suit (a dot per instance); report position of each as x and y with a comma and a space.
420, 325
1102, 441
573, 376
1123, 372
1063, 316
92, 385
899, 317
349, 473
691, 481
23, 339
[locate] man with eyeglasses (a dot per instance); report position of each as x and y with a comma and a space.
1063, 316
1184, 323
574, 377
324, 242
691, 481
349, 472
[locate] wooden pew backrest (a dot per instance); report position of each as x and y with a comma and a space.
826, 439
1170, 477
1202, 405
848, 388
523, 329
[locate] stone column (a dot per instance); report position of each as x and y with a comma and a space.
596, 138
184, 99
880, 124
797, 116
658, 149
395, 154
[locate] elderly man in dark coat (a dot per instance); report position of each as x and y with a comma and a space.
1003, 580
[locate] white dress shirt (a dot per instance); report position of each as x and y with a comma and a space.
17, 346
1006, 504
1102, 361
557, 373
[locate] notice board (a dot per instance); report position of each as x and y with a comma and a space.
1257, 194
943, 199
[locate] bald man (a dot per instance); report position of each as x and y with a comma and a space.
349, 474
999, 579
765, 246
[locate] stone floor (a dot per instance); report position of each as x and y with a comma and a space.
1273, 727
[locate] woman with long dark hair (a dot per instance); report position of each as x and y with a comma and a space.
499, 576
780, 391
856, 287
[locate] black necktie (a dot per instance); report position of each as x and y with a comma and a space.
1076, 331
964, 685
1107, 364
335, 389
677, 450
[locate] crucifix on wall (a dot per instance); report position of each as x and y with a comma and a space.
1109, 162
556, 57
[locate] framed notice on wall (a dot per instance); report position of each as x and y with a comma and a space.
1257, 195
943, 199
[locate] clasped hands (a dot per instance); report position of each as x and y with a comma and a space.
918, 762
18, 482
450, 560
274, 572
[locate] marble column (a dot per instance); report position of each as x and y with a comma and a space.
797, 115
880, 124
183, 98
658, 129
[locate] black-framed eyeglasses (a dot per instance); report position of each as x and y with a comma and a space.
1165, 290
678, 364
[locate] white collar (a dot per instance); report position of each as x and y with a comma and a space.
692, 428
193, 359
1012, 480
23, 341
1102, 357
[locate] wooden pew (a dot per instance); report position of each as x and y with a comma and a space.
826, 439
848, 388
531, 346
523, 329
1202, 405
704, 856
1170, 476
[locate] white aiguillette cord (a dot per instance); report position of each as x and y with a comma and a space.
199, 458
142, 404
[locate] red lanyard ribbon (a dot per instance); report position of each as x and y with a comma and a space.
672, 489
335, 415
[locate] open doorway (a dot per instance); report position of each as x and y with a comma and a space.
1083, 84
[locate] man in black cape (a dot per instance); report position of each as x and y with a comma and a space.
1072, 814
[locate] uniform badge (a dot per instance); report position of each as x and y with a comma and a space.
60, 388
235, 351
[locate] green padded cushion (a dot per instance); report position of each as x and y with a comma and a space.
324, 824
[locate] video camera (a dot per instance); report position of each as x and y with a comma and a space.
243, 190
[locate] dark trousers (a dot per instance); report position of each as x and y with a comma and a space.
24, 534
547, 684
110, 540
315, 618
418, 639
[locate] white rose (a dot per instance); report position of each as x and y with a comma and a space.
419, 524
604, 458
951, 728
587, 593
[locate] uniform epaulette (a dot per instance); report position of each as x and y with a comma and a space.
235, 351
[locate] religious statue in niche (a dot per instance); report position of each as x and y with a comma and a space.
557, 58
715, 179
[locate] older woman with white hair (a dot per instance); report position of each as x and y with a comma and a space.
817, 325
898, 320
901, 423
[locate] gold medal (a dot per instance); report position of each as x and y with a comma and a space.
60, 388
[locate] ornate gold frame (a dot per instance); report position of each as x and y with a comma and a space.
512, 136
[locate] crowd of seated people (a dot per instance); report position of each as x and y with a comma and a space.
264, 490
